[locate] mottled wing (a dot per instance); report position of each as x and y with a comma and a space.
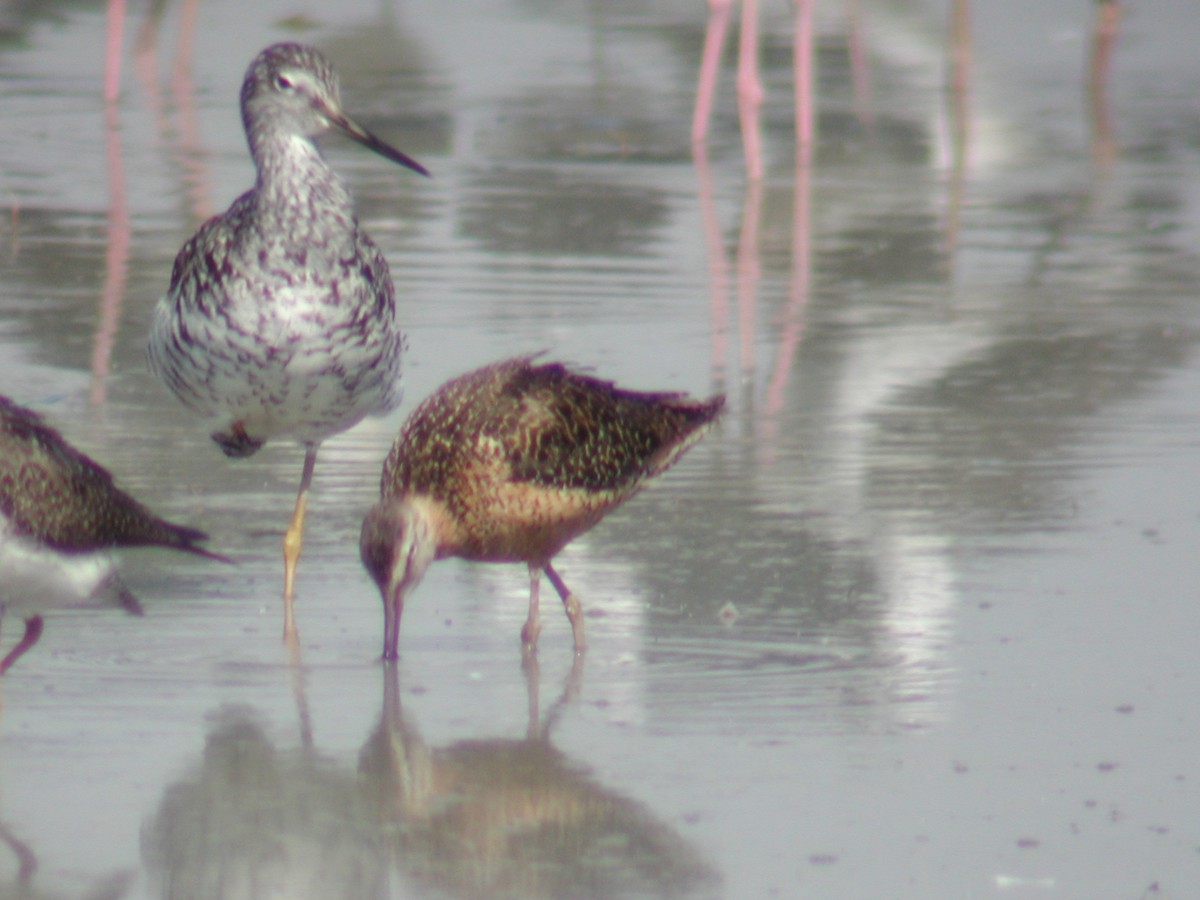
373, 329
51, 492
545, 425
206, 258
437, 439
201, 266
562, 429
377, 274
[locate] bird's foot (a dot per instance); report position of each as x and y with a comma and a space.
237, 444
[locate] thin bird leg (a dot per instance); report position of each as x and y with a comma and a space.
572, 605
293, 539
750, 89
714, 39
33, 631
532, 626
393, 608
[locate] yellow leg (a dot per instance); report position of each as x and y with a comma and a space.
299, 691
293, 540
572, 605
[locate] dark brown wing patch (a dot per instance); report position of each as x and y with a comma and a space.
578, 432
53, 493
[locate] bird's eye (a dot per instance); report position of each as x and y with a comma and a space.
283, 83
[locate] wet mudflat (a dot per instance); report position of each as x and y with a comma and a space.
918, 618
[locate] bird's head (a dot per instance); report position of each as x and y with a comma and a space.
292, 90
397, 545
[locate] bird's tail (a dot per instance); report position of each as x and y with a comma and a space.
162, 533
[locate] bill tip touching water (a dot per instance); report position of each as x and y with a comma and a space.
510, 463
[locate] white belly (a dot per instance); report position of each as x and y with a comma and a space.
34, 579
297, 370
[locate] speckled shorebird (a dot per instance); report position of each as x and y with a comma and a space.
280, 319
60, 518
510, 463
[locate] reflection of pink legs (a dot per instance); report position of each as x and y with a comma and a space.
1104, 39
718, 266
749, 84
714, 39
802, 70
749, 274
747, 269
188, 149
114, 27
117, 256
145, 67
860, 71
960, 120
791, 324
196, 174
750, 89
116, 260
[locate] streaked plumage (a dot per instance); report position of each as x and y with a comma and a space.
510, 463
280, 319
60, 515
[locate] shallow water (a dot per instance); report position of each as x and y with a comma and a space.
917, 620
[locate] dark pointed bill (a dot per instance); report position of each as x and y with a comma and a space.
356, 132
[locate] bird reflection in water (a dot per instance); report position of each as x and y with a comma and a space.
501, 817
489, 817
257, 821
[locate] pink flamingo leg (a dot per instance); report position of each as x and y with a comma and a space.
714, 39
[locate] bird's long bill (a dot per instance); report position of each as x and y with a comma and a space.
356, 132
393, 608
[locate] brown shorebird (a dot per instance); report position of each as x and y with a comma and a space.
510, 463
280, 319
60, 515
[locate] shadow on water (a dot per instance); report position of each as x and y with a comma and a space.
485, 817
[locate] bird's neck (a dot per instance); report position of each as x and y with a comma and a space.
295, 183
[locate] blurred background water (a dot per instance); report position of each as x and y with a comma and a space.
917, 620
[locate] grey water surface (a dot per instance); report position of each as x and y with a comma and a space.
918, 619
